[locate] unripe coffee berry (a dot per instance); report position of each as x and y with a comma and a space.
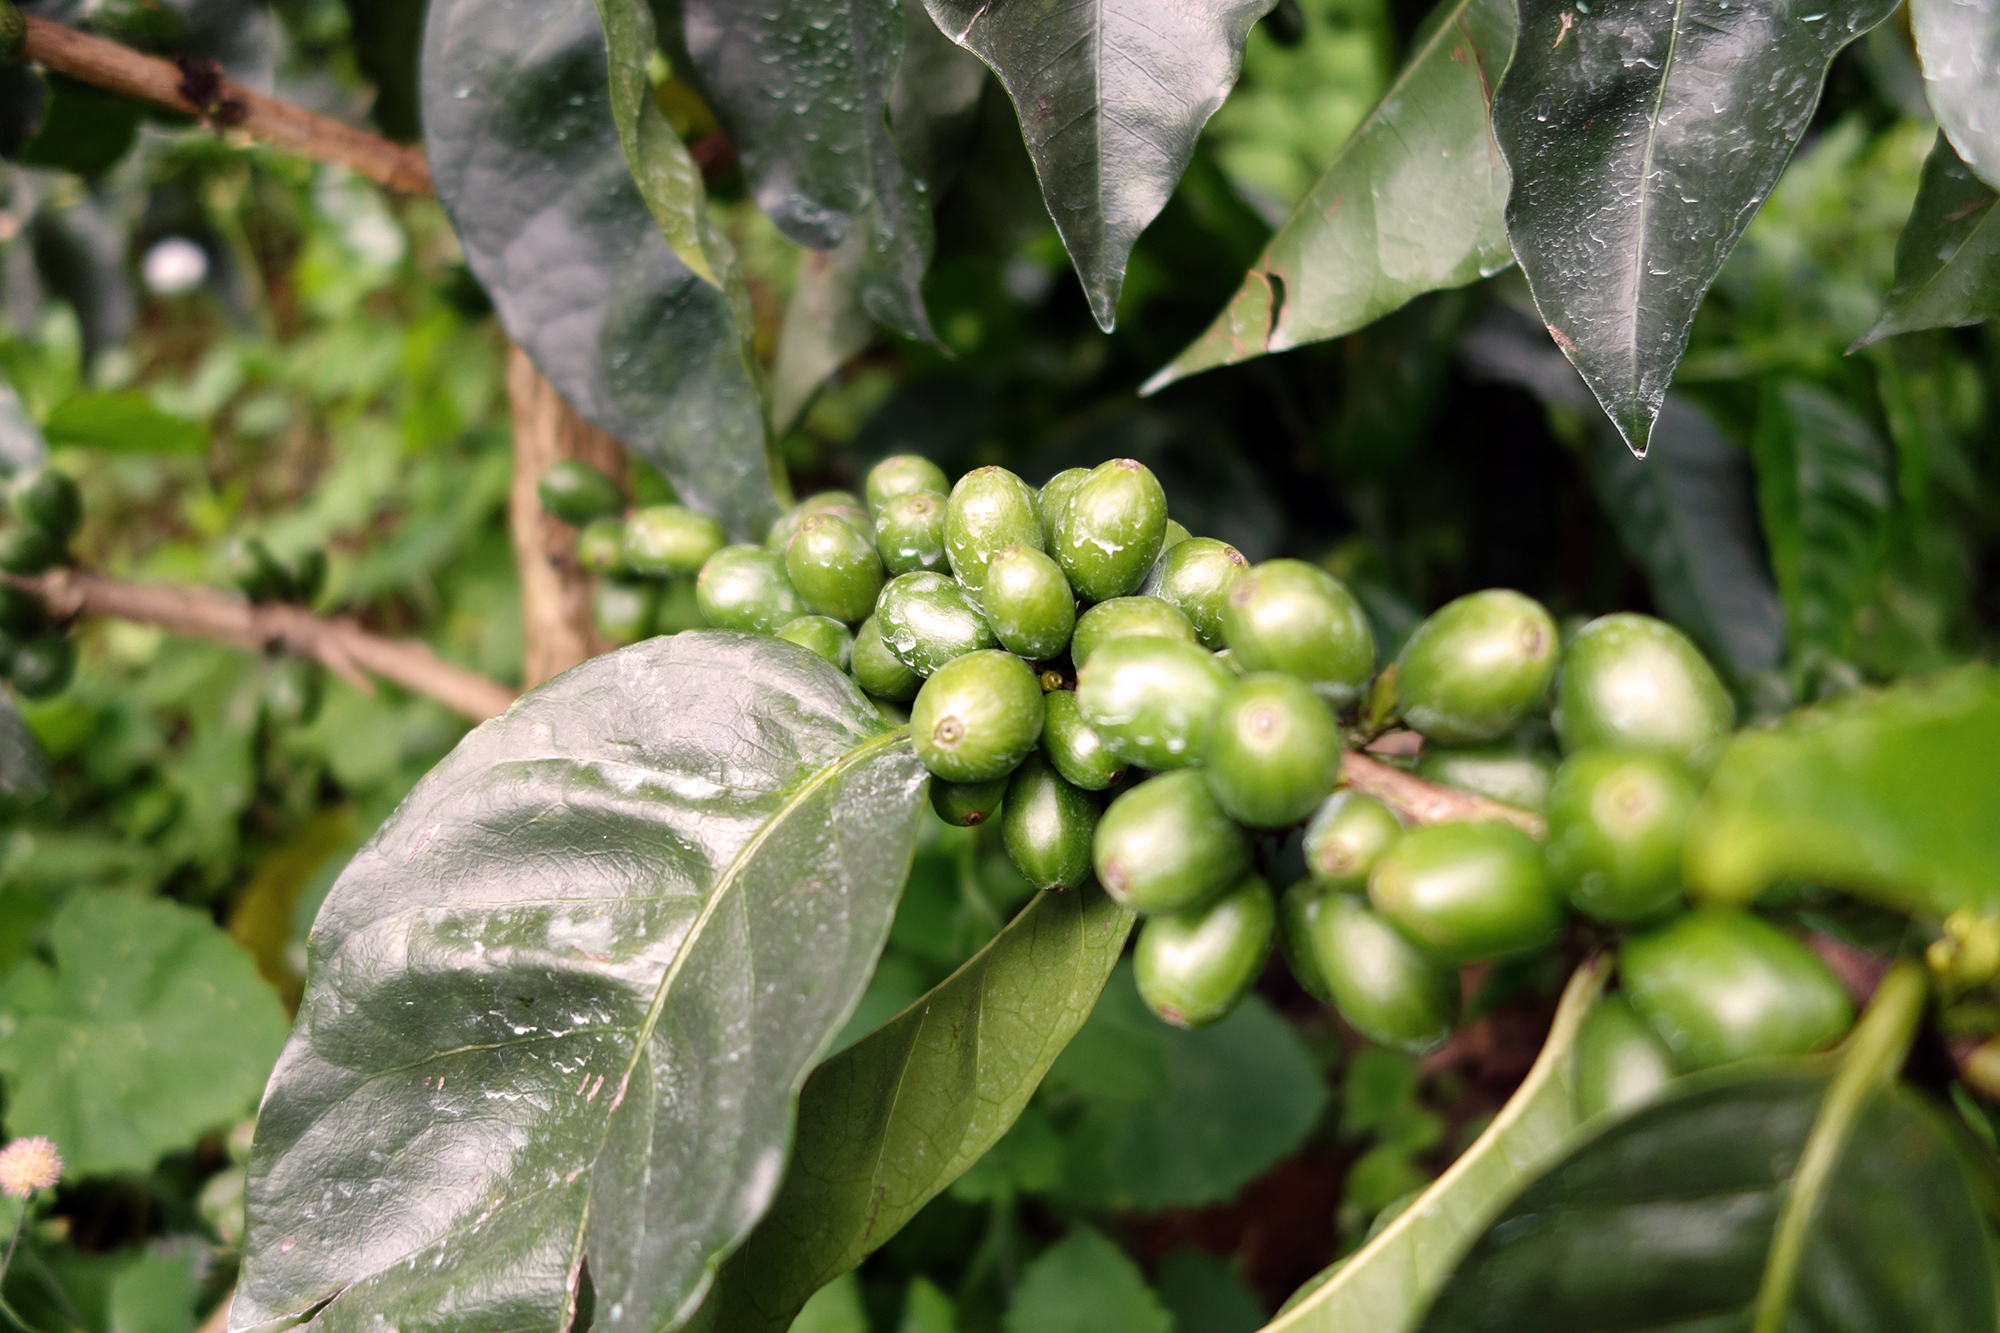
600, 546
1193, 967
1151, 700
1029, 603
1502, 772
977, 717
834, 567
964, 804
1615, 825
927, 620
1286, 615
1468, 892
1110, 530
1196, 575
1077, 752
1055, 494
1165, 845
664, 540
1388, 989
1047, 825
1619, 1061
1272, 750
1632, 682
623, 609
746, 588
990, 510
902, 474
821, 635
576, 492
909, 534
1127, 618
879, 671
1346, 837
1475, 667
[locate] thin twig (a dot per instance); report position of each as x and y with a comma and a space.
1423, 802
341, 645
198, 89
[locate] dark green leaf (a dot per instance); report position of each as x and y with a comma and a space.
1111, 95
527, 159
1885, 793
1823, 485
1414, 202
81, 129
823, 327
1644, 135
889, 1122
123, 422
151, 1028
24, 766
1207, 1295
1958, 44
1085, 1284
560, 1006
935, 102
1948, 257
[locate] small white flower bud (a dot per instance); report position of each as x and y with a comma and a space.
29, 1164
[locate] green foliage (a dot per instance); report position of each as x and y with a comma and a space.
1948, 257
1083, 1284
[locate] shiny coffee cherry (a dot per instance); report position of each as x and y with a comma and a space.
903, 474
1196, 576
43, 665
1468, 892
1286, 615
841, 504
822, 635
576, 492
1150, 700
1166, 846
1389, 990
879, 671
1475, 667
1298, 909
623, 609
1502, 772
1109, 532
678, 608
1127, 618
662, 541
1055, 494
909, 534
1632, 682
1193, 967
990, 509
746, 588
1077, 752
1046, 825
600, 546
1029, 603
1615, 825
977, 716
1619, 1062
1720, 985
1176, 534
21, 612
1346, 836
834, 567
25, 550
964, 804
1272, 750
927, 620
47, 499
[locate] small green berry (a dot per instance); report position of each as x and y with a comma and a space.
964, 804
990, 510
1619, 1061
1272, 750
903, 474
1055, 494
1468, 892
1636, 683
43, 665
1077, 752
1127, 618
1298, 909
624, 608
665, 540
879, 671
834, 567
1151, 700
1109, 532
49, 500
927, 620
1388, 989
1615, 826
1346, 837
977, 716
1473, 669
576, 492
822, 635
1196, 576
909, 534
746, 588
1046, 825
1193, 967
841, 504
1028, 603
1502, 772
600, 546
1165, 845
1286, 615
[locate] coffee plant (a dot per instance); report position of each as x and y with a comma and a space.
1412, 751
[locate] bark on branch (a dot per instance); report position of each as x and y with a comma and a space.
1423, 802
340, 644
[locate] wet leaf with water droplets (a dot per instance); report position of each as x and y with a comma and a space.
1948, 257
1958, 44
561, 1005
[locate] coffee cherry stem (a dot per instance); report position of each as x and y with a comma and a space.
1421, 802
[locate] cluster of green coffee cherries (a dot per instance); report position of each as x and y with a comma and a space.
44, 509
1145, 705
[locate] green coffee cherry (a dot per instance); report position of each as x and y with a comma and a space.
576, 492
1615, 826
963, 804
1347, 835
1468, 892
822, 635
1196, 575
1046, 825
909, 534
1150, 700
1176, 534
1055, 494
1632, 682
623, 609
49, 500
1028, 603
1127, 618
1193, 967
834, 567
746, 588
977, 717
1388, 989
665, 540
1619, 1062
1298, 909
927, 620
1077, 752
1474, 668
1504, 772
903, 474
877, 670
1166, 846
990, 510
1109, 532
43, 665
1272, 750
21, 612
600, 546
678, 608
1720, 985
841, 504
1286, 615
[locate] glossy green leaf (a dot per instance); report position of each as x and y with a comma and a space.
1415, 202
151, 1028
1886, 793
1948, 257
1958, 45
890, 1121
1823, 485
823, 327
1385, 1285
24, 765
560, 1006
802, 87
1111, 96
527, 159
1644, 135
1085, 1284
122, 422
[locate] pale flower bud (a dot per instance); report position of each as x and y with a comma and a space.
29, 1164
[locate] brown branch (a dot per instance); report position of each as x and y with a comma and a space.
340, 644
198, 89
1423, 802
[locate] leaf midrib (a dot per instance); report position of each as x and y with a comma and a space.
1640, 251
